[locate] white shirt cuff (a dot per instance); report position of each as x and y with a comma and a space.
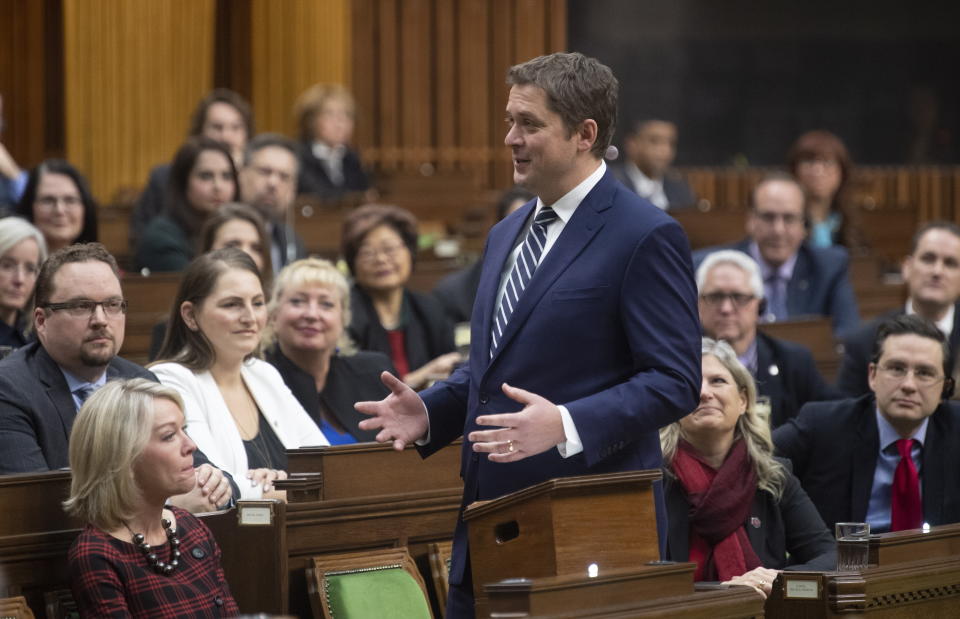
426, 438
572, 446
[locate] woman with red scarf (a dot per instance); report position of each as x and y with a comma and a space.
733, 509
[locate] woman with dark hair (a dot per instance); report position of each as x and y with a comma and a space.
202, 178
379, 245
734, 509
238, 409
57, 200
222, 115
822, 165
329, 167
138, 556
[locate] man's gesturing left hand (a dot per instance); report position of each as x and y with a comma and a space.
533, 430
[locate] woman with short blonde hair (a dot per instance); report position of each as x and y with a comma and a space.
129, 454
22, 251
307, 341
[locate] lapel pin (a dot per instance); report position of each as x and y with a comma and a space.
774, 370
754, 522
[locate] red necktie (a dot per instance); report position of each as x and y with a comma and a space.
906, 512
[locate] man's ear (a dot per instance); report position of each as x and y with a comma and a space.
872, 376
188, 314
39, 319
587, 135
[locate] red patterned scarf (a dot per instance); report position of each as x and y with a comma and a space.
720, 502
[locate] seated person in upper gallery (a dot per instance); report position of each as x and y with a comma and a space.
649, 151
309, 346
730, 303
268, 183
202, 178
457, 291
891, 457
22, 251
329, 166
57, 200
80, 319
379, 246
721, 476
238, 408
798, 280
822, 165
138, 556
222, 115
932, 275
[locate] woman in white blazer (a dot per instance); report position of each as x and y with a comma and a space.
238, 409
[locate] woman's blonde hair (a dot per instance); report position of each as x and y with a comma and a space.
308, 272
109, 435
311, 102
753, 428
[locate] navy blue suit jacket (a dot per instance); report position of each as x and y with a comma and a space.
608, 327
820, 285
834, 446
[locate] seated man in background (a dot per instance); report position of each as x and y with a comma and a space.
798, 280
649, 150
731, 302
457, 291
80, 318
932, 275
268, 182
890, 458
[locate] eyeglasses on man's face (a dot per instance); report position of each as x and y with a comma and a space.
923, 375
84, 308
738, 299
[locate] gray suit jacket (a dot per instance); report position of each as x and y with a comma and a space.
37, 410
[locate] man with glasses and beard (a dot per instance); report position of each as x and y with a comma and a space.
79, 318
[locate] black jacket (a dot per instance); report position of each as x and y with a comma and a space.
350, 379
427, 331
834, 448
787, 374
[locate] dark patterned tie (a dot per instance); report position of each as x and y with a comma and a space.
84, 392
906, 510
523, 270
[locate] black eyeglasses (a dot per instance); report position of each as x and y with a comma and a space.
84, 308
737, 298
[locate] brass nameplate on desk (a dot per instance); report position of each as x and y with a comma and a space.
801, 586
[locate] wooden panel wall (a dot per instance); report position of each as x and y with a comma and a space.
429, 80
295, 44
31, 79
134, 72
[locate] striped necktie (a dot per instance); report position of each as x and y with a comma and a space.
527, 260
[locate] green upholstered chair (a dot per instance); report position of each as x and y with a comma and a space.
373, 584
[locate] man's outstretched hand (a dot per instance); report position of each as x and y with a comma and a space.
401, 417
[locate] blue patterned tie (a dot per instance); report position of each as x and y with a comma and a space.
84, 392
523, 270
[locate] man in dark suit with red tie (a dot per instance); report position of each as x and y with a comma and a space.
584, 336
892, 457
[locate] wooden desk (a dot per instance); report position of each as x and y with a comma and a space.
36, 534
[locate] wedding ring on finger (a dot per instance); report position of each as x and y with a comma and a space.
510, 447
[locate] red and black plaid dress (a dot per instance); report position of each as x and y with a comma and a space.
111, 578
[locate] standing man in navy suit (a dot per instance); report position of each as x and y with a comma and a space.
584, 338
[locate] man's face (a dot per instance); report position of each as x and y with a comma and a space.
82, 343
545, 153
269, 183
654, 147
906, 400
932, 272
728, 307
776, 221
